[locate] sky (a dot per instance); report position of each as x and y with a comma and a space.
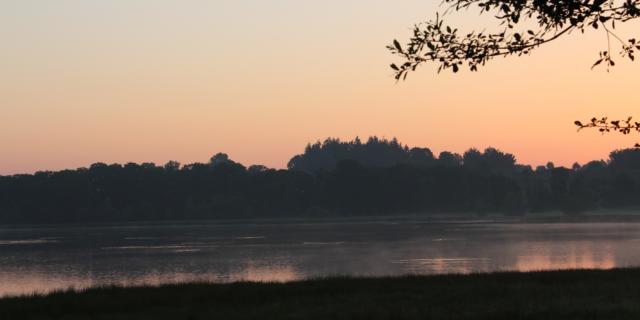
85, 81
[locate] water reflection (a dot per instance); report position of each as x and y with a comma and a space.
579, 255
266, 273
443, 265
42, 260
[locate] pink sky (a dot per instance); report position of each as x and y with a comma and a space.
152, 81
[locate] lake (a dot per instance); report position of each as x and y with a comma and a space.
42, 259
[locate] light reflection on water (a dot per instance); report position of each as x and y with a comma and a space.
46, 259
443, 265
578, 255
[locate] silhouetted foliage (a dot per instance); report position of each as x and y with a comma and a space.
492, 160
432, 41
449, 159
376, 152
628, 159
604, 125
333, 178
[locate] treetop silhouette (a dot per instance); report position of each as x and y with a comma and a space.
331, 178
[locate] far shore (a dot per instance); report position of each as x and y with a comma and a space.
595, 216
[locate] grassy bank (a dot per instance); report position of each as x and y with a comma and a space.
563, 295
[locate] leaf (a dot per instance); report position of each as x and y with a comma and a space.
398, 46
578, 123
598, 3
394, 67
596, 63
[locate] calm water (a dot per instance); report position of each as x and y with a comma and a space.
45, 259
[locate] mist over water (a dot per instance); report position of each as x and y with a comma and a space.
42, 259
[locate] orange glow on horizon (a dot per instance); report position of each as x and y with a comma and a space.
158, 81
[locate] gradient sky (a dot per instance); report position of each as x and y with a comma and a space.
83, 81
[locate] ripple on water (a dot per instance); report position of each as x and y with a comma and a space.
25, 242
337, 243
437, 260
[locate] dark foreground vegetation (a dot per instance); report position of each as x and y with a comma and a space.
330, 179
545, 295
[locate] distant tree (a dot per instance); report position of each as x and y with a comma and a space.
148, 165
491, 160
219, 158
421, 156
576, 166
472, 159
623, 190
498, 159
627, 159
257, 168
449, 159
550, 165
323, 156
397, 183
596, 165
172, 166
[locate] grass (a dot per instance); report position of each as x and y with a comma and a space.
578, 294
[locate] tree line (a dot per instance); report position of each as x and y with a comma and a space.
330, 179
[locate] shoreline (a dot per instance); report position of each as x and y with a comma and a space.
598, 216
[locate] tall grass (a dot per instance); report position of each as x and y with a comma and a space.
578, 294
